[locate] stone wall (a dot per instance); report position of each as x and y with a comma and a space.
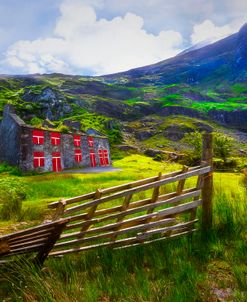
10, 131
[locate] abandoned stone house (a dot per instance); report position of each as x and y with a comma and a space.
40, 150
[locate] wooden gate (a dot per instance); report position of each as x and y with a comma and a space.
139, 212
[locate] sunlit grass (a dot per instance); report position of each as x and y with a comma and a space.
185, 269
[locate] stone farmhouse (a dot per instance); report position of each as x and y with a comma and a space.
42, 150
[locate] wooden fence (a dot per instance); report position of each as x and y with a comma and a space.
140, 212
135, 213
38, 240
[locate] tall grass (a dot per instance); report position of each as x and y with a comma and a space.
189, 268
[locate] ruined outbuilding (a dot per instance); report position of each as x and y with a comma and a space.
42, 150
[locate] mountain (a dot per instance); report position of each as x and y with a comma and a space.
223, 61
205, 86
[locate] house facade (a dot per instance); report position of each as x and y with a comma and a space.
33, 149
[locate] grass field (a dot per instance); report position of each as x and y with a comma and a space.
209, 268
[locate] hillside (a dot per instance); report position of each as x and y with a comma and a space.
208, 85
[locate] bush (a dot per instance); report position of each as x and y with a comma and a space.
5, 168
222, 145
12, 193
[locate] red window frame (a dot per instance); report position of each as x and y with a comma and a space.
56, 161
106, 157
90, 141
103, 157
78, 155
38, 159
38, 137
77, 140
55, 138
92, 158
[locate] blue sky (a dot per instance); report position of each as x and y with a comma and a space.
93, 37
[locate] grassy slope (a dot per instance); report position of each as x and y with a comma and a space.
180, 270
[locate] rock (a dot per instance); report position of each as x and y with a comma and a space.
47, 124
203, 127
176, 132
236, 118
72, 124
145, 134
153, 152
127, 148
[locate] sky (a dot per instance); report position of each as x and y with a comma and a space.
95, 37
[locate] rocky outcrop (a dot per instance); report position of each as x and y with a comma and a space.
53, 104
144, 134
176, 132
236, 118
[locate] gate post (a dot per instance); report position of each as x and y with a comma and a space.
207, 188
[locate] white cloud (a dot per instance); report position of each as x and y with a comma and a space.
208, 31
80, 42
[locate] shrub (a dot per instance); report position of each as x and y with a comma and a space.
12, 193
35, 121
222, 145
5, 168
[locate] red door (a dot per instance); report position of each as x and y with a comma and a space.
103, 157
92, 158
56, 162
106, 157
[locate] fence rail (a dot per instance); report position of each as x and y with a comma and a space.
139, 212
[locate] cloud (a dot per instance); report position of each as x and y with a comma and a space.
80, 41
208, 31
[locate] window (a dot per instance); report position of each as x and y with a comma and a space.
55, 138
78, 156
92, 158
103, 157
56, 161
77, 140
106, 157
90, 141
38, 159
38, 137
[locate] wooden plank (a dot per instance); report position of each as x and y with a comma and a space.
60, 210
45, 249
119, 219
115, 209
156, 240
145, 207
72, 200
112, 244
4, 247
138, 189
126, 223
166, 229
163, 213
105, 244
28, 243
32, 230
117, 188
91, 212
207, 190
30, 235
144, 226
30, 238
29, 249
181, 182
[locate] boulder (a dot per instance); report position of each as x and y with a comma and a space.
176, 132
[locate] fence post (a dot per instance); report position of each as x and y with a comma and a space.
207, 188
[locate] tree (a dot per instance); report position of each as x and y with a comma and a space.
222, 145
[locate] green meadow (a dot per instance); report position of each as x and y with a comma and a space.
202, 267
